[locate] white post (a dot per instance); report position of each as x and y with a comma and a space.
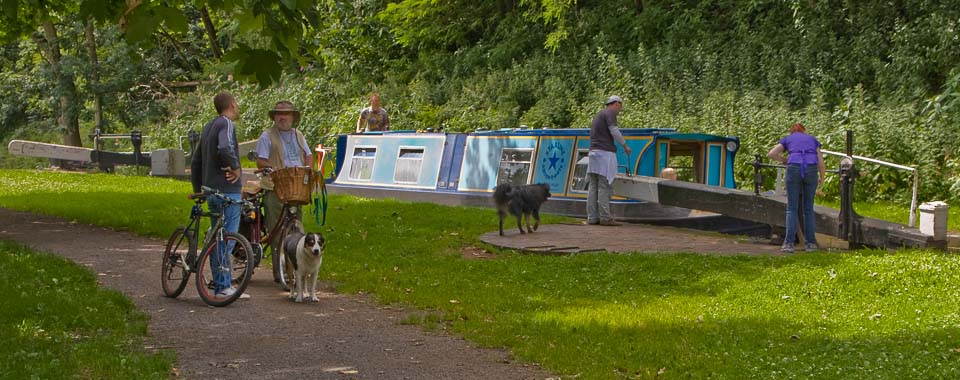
933, 219
779, 187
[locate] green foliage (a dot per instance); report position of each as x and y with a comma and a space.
272, 35
429, 25
130, 83
857, 315
887, 71
280, 26
56, 323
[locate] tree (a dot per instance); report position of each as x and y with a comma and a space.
211, 33
94, 72
271, 40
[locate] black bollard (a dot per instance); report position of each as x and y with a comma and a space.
848, 217
757, 177
136, 138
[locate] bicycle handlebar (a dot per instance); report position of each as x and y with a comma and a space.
208, 191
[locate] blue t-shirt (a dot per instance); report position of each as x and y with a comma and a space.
802, 148
291, 149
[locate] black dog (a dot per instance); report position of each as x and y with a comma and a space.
520, 201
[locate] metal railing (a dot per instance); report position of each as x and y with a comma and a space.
916, 178
780, 177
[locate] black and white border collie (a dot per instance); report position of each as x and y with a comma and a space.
305, 252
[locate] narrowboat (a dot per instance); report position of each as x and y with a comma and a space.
462, 169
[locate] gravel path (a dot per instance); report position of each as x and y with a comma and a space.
266, 336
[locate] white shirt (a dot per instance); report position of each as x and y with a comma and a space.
291, 149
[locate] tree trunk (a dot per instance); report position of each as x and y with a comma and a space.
94, 75
211, 32
68, 116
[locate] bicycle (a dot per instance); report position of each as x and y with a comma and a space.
253, 228
180, 257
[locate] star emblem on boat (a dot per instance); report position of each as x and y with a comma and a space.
553, 160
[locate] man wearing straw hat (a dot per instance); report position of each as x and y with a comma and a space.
280, 146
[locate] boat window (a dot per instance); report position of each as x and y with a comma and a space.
408, 165
686, 158
361, 166
515, 166
578, 183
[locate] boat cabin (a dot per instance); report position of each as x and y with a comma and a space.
476, 162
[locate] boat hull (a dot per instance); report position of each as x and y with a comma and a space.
633, 211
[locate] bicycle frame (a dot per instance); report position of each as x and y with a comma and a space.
227, 254
257, 227
196, 215
255, 231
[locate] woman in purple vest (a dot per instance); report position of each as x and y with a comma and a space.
805, 172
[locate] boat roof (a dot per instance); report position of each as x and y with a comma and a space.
533, 132
568, 132
669, 133
698, 137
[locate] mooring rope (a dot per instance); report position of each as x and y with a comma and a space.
320, 203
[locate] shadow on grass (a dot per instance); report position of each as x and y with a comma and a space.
738, 348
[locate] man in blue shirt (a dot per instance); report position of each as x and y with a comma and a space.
216, 164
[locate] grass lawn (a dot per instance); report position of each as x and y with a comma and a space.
56, 323
859, 315
894, 212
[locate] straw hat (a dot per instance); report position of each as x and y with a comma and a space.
285, 106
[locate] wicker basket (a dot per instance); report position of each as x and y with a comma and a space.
293, 185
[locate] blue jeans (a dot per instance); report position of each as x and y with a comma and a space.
800, 192
220, 260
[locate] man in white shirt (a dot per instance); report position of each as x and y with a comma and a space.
280, 146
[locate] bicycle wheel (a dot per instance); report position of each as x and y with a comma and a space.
239, 267
276, 255
175, 273
281, 264
282, 272
240, 260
